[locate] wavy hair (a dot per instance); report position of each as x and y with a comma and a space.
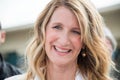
94, 66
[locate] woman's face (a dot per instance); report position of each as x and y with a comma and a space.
63, 37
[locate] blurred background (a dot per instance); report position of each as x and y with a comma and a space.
17, 18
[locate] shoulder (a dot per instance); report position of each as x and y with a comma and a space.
17, 77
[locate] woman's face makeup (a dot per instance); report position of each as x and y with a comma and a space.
63, 37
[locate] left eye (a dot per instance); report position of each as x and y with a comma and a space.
76, 32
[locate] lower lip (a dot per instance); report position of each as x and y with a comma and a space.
60, 53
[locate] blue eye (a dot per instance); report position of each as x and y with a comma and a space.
57, 27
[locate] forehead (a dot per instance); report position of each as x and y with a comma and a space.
65, 15
63, 11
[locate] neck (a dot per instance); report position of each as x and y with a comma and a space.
56, 72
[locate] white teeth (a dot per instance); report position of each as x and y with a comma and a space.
61, 50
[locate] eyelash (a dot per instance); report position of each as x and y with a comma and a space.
76, 32
57, 27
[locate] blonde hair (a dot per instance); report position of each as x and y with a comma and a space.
95, 64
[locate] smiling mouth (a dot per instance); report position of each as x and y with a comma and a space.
62, 50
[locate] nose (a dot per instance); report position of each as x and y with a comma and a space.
64, 40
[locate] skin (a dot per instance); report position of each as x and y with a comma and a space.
63, 45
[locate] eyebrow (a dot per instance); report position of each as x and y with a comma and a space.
76, 28
57, 23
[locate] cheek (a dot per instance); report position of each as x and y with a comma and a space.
77, 43
50, 36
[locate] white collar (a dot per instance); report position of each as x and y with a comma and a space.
78, 76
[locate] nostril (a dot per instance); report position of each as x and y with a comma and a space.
70, 50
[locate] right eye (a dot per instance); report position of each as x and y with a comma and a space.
57, 27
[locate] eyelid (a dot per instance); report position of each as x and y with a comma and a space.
77, 32
57, 27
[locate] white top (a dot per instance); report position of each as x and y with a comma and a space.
78, 76
21, 77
